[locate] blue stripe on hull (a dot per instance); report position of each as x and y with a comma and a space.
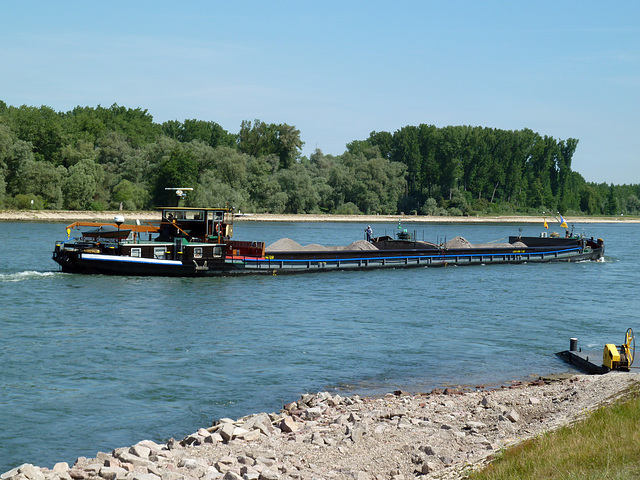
115, 258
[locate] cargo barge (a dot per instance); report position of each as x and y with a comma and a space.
194, 242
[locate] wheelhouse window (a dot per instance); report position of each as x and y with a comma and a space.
158, 252
216, 216
197, 252
177, 214
136, 252
194, 215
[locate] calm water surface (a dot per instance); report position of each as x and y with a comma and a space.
91, 363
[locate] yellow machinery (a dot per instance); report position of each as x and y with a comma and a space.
620, 358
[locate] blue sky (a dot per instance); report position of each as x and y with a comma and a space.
340, 70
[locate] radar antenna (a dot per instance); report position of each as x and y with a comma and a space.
180, 192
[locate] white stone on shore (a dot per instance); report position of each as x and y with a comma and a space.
32, 472
265, 460
78, 473
112, 473
61, 467
288, 425
269, 474
513, 416
11, 473
126, 457
312, 413
471, 425
140, 451
173, 475
146, 476
226, 431
248, 435
239, 432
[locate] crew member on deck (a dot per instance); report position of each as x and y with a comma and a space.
369, 233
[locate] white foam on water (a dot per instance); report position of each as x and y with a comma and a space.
26, 275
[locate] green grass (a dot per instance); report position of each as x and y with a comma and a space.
606, 445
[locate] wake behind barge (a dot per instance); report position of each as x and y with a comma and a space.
194, 242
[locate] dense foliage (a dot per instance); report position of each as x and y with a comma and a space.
117, 157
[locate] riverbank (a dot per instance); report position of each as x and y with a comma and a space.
69, 216
439, 435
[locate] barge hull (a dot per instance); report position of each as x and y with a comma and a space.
77, 262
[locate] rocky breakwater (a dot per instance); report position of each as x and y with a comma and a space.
442, 434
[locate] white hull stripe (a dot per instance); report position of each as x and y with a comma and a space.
115, 258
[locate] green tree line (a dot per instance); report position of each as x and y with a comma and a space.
96, 158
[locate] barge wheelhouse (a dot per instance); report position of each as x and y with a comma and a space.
186, 242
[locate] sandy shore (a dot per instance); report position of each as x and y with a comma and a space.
66, 216
442, 434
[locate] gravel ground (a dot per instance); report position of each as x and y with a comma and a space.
439, 435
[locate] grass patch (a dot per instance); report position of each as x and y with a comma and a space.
604, 445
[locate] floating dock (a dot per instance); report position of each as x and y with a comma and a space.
588, 362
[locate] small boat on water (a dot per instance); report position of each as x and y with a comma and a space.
195, 242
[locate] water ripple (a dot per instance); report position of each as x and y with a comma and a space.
92, 363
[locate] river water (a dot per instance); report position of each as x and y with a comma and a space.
91, 363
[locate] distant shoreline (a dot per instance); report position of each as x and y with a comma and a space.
70, 216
